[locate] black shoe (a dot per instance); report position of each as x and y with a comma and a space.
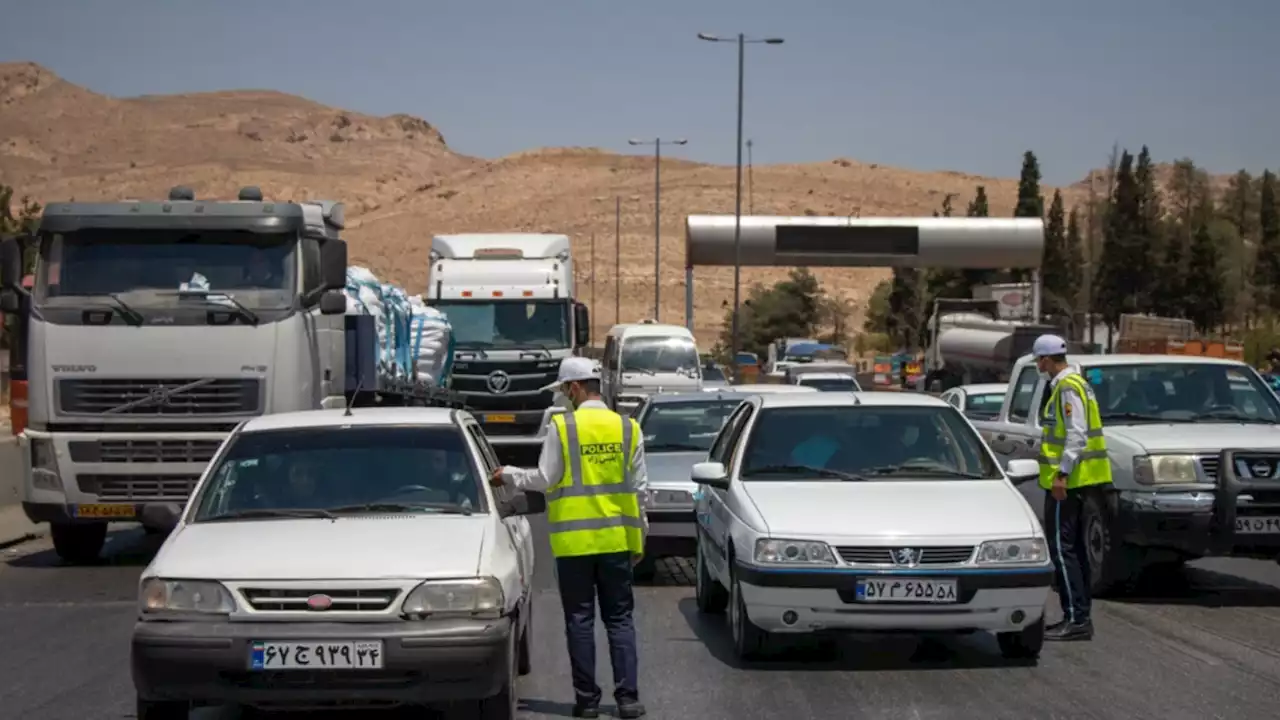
1070, 632
1055, 627
630, 710
586, 711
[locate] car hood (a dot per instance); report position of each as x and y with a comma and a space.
904, 510
1197, 437
348, 548
672, 469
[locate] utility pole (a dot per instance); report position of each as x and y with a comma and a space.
751, 186
594, 307
617, 260
657, 144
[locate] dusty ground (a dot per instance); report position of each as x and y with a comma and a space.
402, 183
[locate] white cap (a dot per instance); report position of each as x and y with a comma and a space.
575, 369
1047, 345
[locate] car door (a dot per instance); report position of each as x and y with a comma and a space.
1009, 438
517, 527
714, 518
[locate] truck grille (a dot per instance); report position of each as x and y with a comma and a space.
164, 397
143, 451
946, 555
294, 600
138, 488
1209, 464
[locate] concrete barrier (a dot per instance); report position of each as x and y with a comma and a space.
10, 472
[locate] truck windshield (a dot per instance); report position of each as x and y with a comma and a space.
659, 355
508, 323
257, 268
1181, 392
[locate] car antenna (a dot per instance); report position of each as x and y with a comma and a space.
352, 401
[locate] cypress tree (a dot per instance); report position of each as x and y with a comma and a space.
1054, 267
1266, 270
1148, 235
1206, 293
1030, 201
1117, 270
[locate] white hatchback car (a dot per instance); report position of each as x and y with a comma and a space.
866, 512
333, 558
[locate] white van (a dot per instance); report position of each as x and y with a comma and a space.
647, 357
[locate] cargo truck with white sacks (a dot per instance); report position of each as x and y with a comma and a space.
510, 299
155, 327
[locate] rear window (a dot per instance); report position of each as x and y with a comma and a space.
986, 404
830, 384
424, 468
684, 426
872, 442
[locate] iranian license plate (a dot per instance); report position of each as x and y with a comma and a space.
906, 590
116, 512
1257, 525
500, 418
316, 655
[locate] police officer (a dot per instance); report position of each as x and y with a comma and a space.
1075, 471
592, 469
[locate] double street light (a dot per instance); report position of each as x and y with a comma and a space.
657, 144
742, 41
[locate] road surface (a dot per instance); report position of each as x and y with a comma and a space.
1203, 644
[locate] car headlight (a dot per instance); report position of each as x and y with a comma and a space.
159, 596
793, 552
44, 465
1165, 469
473, 597
1023, 550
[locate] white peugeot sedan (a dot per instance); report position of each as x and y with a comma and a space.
866, 512
329, 558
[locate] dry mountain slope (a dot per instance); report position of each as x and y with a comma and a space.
402, 183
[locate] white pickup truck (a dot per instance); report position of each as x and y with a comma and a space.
1195, 459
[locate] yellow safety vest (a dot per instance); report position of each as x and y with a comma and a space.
1092, 467
594, 509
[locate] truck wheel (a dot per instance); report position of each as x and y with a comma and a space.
1113, 565
645, 570
1024, 644
79, 544
148, 710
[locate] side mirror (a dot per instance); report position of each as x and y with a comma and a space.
11, 264
1022, 470
333, 265
160, 516
711, 474
581, 325
333, 302
523, 503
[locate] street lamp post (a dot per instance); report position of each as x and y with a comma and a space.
751, 186
742, 41
657, 144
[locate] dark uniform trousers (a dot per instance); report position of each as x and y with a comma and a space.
582, 579
1068, 546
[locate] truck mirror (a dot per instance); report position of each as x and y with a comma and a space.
333, 265
333, 302
11, 263
581, 325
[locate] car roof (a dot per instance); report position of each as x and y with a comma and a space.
367, 417
1143, 359
701, 396
851, 399
771, 389
983, 388
826, 376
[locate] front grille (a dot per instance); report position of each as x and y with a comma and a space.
164, 397
143, 451
945, 555
1209, 464
138, 488
485, 402
294, 600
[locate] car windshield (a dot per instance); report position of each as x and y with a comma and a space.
536, 324
332, 471
684, 426
711, 373
257, 268
1181, 393
659, 355
864, 442
845, 384
984, 404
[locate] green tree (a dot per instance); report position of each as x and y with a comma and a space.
1266, 270
1030, 200
877, 318
1240, 208
791, 308
1073, 262
904, 307
979, 207
1148, 234
1055, 273
1205, 289
1116, 272
26, 220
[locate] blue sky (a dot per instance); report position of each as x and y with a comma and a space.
929, 85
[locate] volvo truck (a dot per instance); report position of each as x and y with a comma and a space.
510, 300
154, 327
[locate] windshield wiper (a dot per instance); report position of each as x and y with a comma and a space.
391, 507
126, 313
476, 347
808, 469
925, 469
672, 446
1142, 417
212, 298
643, 371
268, 513
1233, 416
525, 349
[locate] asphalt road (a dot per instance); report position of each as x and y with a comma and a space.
1204, 643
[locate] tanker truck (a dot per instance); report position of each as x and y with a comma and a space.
968, 343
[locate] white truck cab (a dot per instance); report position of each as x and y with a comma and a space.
364, 551
648, 357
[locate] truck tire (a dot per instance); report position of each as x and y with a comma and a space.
1113, 565
645, 570
79, 544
